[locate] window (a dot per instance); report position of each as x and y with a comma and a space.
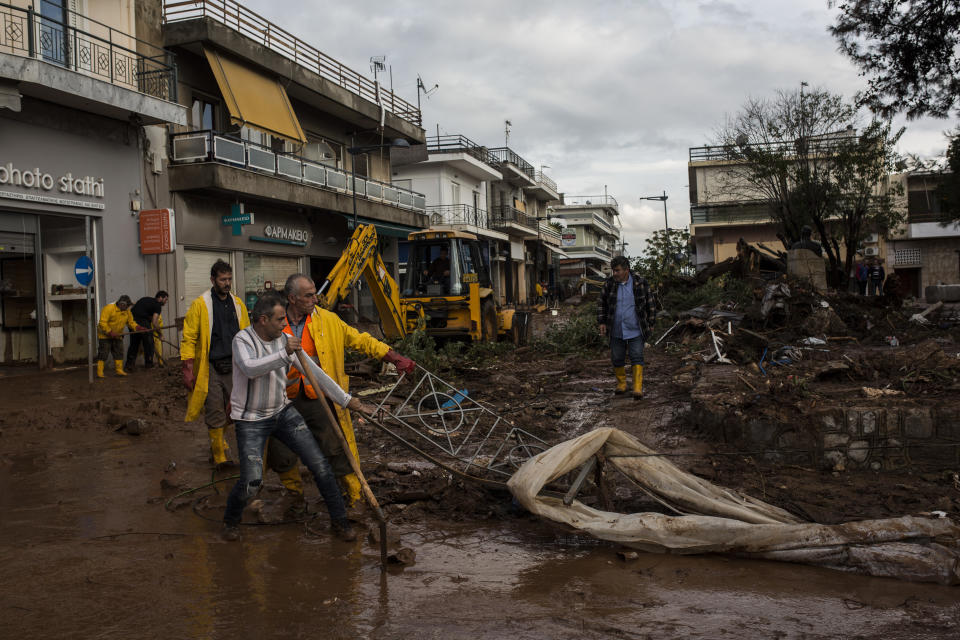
52, 31
361, 164
203, 114
321, 152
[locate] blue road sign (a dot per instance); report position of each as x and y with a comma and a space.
84, 270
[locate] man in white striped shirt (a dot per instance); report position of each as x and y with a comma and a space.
262, 356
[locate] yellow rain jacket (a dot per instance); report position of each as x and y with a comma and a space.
330, 336
195, 345
157, 342
112, 319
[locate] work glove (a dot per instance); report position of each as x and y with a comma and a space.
114, 334
402, 363
189, 379
139, 328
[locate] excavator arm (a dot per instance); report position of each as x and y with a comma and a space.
361, 258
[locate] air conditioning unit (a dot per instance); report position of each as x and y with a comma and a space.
871, 251
872, 238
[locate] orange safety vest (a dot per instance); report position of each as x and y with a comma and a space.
294, 377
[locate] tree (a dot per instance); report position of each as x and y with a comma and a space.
799, 157
665, 254
909, 50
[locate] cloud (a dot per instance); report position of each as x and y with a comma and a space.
608, 93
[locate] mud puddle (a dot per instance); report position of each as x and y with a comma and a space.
87, 549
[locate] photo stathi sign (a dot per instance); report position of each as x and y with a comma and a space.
157, 231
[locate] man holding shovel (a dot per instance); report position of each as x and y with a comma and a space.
262, 357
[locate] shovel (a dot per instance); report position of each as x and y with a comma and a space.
354, 463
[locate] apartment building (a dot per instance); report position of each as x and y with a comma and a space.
925, 250
454, 182
719, 217
591, 237
461, 180
79, 81
520, 207
283, 147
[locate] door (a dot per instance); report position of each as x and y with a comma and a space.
196, 268
909, 282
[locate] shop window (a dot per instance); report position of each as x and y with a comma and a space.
264, 272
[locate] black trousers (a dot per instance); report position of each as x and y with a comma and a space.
137, 339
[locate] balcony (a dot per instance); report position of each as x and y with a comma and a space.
206, 160
730, 214
465, 155
594, 252
515, 169
549, 234
269, 36
545, 188
823, 145
513, 221
87, 64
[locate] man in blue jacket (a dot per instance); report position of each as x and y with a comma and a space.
626, 314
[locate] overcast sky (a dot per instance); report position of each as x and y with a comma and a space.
607, 93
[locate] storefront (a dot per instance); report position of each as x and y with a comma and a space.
57, 181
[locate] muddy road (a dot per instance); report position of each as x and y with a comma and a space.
89, 549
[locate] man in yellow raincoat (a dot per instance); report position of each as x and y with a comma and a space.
324, 336
206, 350
113, 318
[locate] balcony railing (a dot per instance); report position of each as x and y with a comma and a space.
824, 145
730, 213
209, 146
458, 214
506, 154
587, 201
461, 144
544, 179
282, 42
502, 215
89, 47
588, 249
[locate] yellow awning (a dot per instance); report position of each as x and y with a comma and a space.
254, 99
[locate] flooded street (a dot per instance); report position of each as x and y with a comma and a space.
88, 550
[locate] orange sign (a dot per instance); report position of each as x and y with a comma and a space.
156, 231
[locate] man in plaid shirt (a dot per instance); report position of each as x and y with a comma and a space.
626, 314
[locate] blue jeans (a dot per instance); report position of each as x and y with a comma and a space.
619, 348
289, 428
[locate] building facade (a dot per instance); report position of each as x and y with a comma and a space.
78, 84
591, 237
283, 148
925, 250
461, 181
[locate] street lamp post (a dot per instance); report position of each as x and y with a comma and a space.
354, 152
663, 198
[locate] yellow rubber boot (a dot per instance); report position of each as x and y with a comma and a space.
218, 446
621, 374
637, 381
118, 367
99, 368
291, 480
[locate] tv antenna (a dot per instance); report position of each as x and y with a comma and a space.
422, 88
377, 63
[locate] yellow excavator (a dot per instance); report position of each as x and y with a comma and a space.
446, 289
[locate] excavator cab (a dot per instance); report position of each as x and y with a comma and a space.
447, 277
444, 267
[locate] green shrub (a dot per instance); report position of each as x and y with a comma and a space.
578, 334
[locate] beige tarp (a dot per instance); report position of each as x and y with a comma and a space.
719, 520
